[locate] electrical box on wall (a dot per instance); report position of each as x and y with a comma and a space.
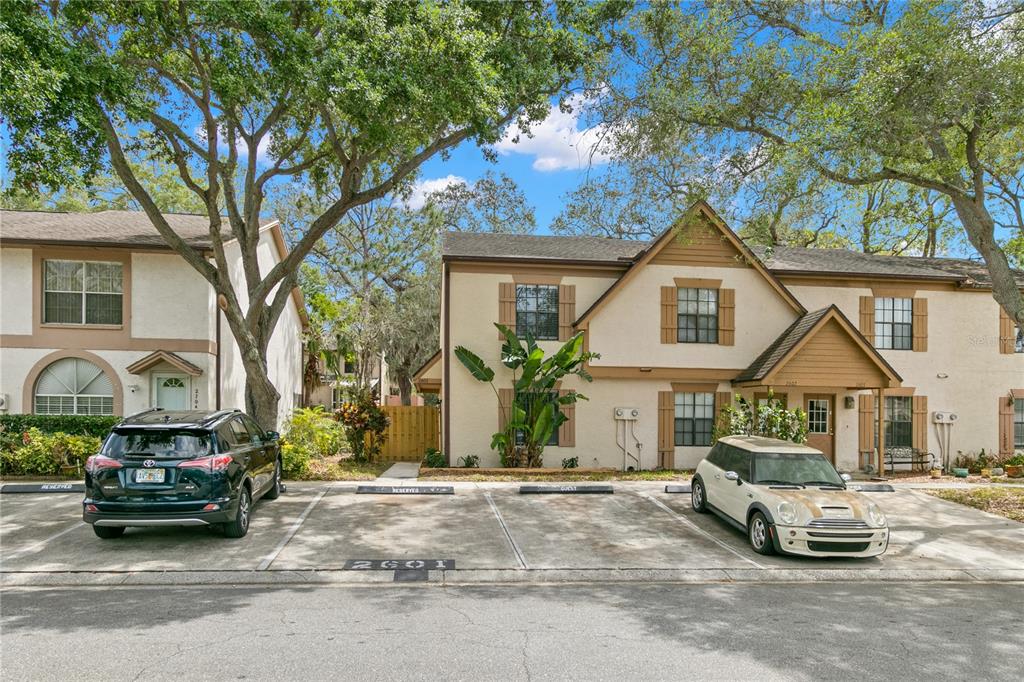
627, 413
944, 417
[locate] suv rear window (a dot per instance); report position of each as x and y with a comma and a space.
157, 443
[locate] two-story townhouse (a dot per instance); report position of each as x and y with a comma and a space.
99, 316
686, 322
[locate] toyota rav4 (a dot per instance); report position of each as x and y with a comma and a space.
169, 468
787, 498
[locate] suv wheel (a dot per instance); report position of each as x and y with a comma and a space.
240, 526
698, 496
275, 487
108, 532
759, 534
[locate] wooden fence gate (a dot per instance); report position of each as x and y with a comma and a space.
413, 429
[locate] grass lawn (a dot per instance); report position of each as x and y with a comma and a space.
1008, 502
505, 475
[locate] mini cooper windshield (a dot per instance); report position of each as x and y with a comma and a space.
794, 468
157, 444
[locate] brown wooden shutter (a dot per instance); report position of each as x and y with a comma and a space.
722, 399
867, 318
919, 437
666, 429
566, 310
669, 314
567, 431
1007, 333
920, 325
505, 398
1005, 426
866, 429
507, 305
726, 317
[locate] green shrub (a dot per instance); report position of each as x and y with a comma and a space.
470, 461
1016, 461
364, 423
42, 454
570, 463
295, 461
435, 459
74, 424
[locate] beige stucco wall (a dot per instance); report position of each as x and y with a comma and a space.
170, 300
626, 331
15, 291
963, 345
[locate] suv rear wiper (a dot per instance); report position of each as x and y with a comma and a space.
831, 484
772, 481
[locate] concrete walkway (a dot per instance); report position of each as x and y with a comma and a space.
401, 471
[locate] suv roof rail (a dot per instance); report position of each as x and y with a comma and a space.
139, 414
218, 415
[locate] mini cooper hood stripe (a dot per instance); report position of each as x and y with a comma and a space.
814, 500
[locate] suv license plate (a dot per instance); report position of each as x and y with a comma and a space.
149, 476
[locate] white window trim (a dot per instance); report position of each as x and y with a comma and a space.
82, 292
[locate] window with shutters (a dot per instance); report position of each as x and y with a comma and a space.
899, 423
82, 292
1018, 423
694, 418
894, 323
697, 315
537, 311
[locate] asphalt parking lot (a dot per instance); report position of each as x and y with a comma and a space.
489, 533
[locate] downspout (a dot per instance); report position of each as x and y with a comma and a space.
446, 387
217, 359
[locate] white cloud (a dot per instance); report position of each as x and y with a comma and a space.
422, 188
557, 142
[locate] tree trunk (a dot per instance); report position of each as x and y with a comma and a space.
261, 396
404, 386
980, 229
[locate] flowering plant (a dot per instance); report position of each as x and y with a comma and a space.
364, 423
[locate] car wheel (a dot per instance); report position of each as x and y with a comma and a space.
108, 532
759, 534
275, 488
240, 526
698, 496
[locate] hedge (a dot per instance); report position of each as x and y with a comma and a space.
74, 424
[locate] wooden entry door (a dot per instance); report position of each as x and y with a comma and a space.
821, 419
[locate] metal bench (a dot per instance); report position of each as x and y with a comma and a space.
905, 455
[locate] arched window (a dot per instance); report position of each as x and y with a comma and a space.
74, 386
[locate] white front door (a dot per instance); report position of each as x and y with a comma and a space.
171, 391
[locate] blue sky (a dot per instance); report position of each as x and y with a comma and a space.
554, 161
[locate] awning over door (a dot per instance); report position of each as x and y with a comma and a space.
822, 348
157, 357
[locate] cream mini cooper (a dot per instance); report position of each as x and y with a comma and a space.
787, 498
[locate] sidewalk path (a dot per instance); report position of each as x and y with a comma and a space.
401, 471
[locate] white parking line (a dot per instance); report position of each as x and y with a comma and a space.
679, 517
269, 559
508, 535
42, 543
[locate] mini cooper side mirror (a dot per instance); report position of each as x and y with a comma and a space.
732, 476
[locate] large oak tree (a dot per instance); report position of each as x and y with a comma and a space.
241, 96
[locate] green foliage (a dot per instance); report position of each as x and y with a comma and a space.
570, 463
295, 461
1017, 460
76, 424
771, 420
434, 459
536, 412
470, 461
315, 431
42, 454
364, 423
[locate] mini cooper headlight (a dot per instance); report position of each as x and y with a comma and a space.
787, 513
875, 515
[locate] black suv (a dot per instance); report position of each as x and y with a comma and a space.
169, 468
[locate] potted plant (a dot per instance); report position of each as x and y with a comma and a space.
936, 471
1015, 466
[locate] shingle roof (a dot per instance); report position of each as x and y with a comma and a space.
782, 259
539, 247
780, 346
122, 228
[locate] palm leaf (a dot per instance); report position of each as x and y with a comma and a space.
477, 367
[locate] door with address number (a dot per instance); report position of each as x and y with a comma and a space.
171, 392
821, 433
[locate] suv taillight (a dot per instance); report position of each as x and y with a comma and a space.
97, 462
211, 463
